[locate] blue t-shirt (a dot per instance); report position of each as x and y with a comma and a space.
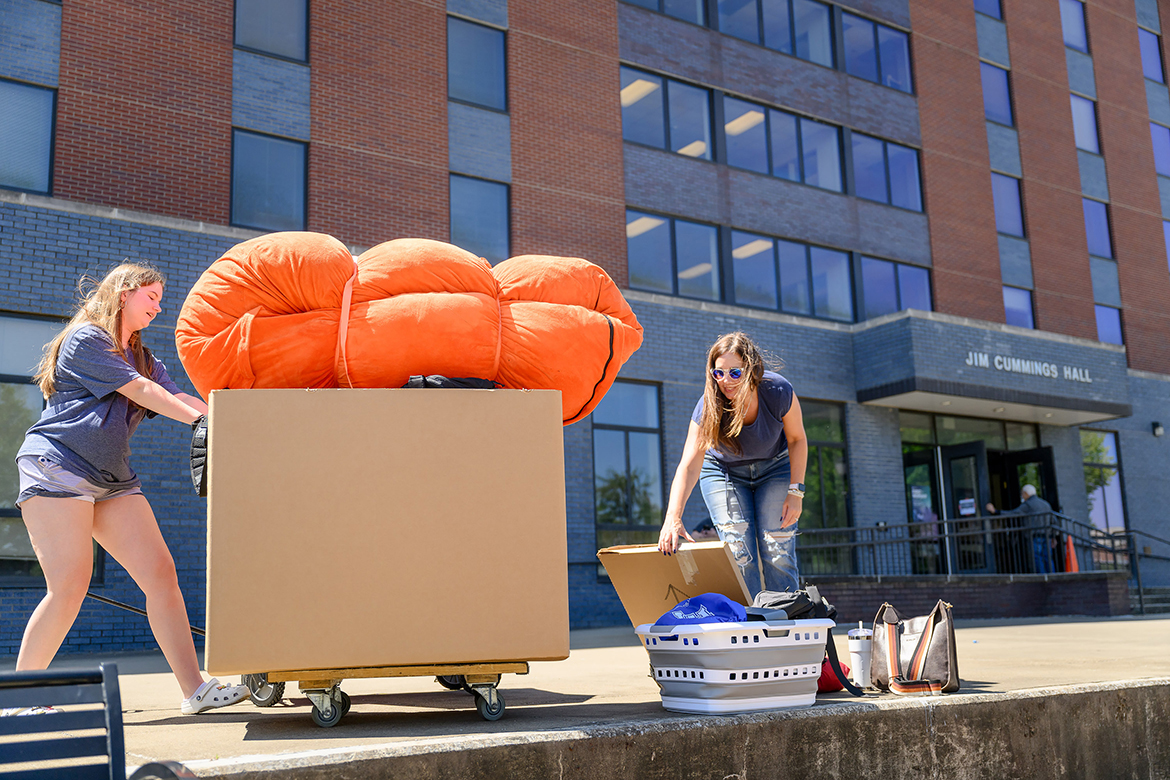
87, 425
764, 439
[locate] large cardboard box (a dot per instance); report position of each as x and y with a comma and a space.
649, 583
368, 528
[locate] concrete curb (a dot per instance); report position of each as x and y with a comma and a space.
1099, 730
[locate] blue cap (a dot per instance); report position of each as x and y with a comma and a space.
704, 608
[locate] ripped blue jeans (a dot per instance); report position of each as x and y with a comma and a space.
746, 503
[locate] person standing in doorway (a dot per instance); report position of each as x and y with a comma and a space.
747, 450
76, 484
1042, 540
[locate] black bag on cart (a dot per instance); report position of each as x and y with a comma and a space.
199, 455
466, 382
802, 605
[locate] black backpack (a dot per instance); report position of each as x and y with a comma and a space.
801, 605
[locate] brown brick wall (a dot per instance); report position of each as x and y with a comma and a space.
1138, 242
1095, 593
956, 171
1053, 214
568, 196
144, 106
378, 156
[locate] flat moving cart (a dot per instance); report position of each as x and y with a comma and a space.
404, 509
330, 703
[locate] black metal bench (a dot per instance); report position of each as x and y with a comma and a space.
52, 745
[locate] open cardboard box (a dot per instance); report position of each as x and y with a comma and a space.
650, 583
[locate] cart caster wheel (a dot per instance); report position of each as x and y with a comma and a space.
264, 693
487, 710
455, 682
336, 714
345, 703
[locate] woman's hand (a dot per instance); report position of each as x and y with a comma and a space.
668, 540
791, 512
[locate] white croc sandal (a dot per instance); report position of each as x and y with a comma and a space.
212, 694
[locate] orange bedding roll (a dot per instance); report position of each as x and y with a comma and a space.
297, 310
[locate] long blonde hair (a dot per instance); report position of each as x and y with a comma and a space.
723, 418
101, 305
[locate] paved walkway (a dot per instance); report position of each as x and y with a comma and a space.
605, 681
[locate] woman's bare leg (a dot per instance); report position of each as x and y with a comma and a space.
61, 530
128, 531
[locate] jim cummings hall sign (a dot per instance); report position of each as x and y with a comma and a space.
1030, 367
949, 365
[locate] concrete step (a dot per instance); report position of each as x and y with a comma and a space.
1157, 600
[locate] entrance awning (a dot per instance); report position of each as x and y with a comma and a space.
931, 362
929, 395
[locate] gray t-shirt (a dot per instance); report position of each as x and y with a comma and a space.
87, 425
764, 439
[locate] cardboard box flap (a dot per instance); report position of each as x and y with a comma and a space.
650, 583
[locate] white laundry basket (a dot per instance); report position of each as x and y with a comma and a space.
717, 668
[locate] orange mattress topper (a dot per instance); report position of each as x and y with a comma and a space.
298, 310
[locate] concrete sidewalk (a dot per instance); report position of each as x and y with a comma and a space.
603, 685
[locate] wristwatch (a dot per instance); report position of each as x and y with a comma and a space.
797, 489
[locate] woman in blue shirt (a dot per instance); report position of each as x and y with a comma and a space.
747, 449
76, 484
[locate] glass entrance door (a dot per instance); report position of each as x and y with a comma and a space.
920, 470
1031, 467
966, 490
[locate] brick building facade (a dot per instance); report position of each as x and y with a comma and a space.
795, 179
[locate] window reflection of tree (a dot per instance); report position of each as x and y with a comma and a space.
20, 405
626, 498
826, 498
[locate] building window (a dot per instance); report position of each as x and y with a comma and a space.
740, 19
277, 27
1166, 240
800, 279
997, 96
268, 181
805, 150
990, 8
887, 287
26, 137
1108, 324
1103, 480
1017, 307
672, 256
826, 481
479, 217
1009, 214
692, 11
745, 127
802, 28
627, 465
886, 172
681, 122
802, 149
1097, 228
21, 402
1084, 114
1160, 136
1072, 23
831, 283
876, 52
476, 70
1151, 48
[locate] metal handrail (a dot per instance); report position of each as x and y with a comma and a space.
1004, 543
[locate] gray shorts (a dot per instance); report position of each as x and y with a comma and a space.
40, 476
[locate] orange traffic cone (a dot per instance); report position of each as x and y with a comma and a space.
1070, 556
